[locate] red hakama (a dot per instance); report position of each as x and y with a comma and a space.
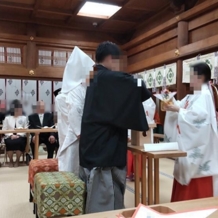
197, 188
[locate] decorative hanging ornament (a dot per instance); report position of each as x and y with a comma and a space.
164, 78
154, 82
145, 78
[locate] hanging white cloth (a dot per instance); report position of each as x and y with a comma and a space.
195, 130
150, 108
71, 100
62, 115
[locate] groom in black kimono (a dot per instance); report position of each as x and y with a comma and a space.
113, 105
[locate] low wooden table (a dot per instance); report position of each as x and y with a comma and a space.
177, 207
28, 131
139, 150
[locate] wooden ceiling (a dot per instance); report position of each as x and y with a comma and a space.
63, 13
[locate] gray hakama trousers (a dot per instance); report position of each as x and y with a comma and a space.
105, 188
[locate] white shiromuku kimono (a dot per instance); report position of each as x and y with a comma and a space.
150, 108
73, 92
69, 153
62, 111
194, 127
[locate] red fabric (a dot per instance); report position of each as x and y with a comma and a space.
130, 164
157, 118
39, 166
197, 188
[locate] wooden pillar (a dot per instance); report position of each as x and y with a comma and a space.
31, 48
135, 138
181, 41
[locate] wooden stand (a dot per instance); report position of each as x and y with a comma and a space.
153, 192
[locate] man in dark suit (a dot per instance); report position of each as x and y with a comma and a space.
38, 120
2, 111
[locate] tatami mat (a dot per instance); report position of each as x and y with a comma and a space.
14, 190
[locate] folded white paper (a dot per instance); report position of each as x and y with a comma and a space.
143, 212
171, 146
162, 97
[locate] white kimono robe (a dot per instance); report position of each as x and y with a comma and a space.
150, 108
195, 130
68, 159
62, 112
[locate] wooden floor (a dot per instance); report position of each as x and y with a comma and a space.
14, 190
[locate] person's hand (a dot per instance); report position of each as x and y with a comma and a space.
172, 108
52, 139
14, 137
34, 139
78, 136
144, 134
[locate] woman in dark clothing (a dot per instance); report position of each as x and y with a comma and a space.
15, 142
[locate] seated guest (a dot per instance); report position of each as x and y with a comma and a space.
192, 122
15, 142
38, 120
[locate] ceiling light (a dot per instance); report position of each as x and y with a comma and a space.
98, 10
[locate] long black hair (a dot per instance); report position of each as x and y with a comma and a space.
202, 69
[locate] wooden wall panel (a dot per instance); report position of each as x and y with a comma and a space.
12, 28
203, 32
55, 32
164, 47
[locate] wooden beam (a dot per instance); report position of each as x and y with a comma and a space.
49, 41
74, 12
192, 13
51, 73
193, 49
149, 20
16, 6
153, 42
56, 23
36, 7
100, 25
203, 20
55, 11
31, 48
182, 40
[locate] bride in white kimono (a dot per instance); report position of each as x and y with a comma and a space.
73, 92
192, 123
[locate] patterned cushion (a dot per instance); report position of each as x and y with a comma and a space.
38, 166
58, 193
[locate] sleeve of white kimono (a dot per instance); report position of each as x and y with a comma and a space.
75, 118
75, 103
193, 136
60, 103
149, 107
171, 121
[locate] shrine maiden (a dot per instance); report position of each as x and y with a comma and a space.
71, 102
192, 123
